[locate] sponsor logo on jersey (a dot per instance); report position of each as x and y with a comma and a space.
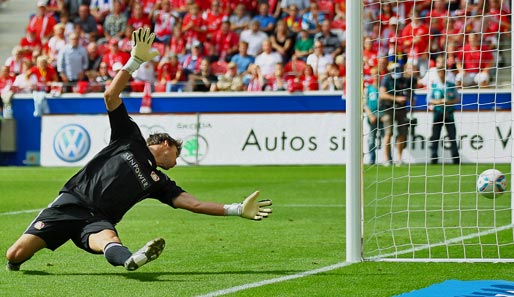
72, 143
154, 176
136, 168
39, 225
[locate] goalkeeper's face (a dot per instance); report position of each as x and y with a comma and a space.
169, 156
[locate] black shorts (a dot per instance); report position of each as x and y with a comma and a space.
57, 225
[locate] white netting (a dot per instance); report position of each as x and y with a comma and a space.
421, 203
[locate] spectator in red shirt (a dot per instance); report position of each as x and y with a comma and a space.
386, 13
415, 39
370, 56
474, 62
496, 22
30, 43
440, 13
170, 73
213, 18
139, 19
308, 81
42, 23
15, 61
225, 42
193, 25
181, 6
164, 19
115, 55
279, 80
44, 73
178, 43
6, 79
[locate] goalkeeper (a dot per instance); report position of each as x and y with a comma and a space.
124, 173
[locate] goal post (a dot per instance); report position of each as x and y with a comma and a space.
417, 207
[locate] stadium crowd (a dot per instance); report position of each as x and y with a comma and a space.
221, 45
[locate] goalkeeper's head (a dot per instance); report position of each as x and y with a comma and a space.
165, 149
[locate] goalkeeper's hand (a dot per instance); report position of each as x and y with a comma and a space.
250, 208
142, 50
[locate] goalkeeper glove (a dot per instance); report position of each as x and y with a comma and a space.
142, 49
249, 208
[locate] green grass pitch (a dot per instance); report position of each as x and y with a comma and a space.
206, 254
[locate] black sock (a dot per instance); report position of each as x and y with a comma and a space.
116, 254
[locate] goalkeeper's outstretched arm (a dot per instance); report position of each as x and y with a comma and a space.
141, 52
249, 208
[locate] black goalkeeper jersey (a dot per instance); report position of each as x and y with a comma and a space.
120, 175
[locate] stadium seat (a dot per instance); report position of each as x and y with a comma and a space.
219, 67
137, 86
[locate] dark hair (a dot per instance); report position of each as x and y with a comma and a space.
159, 138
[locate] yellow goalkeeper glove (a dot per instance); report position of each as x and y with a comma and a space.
249, 208
142, 50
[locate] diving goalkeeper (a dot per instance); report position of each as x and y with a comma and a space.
124, 173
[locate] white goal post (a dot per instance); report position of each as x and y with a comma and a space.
417, 207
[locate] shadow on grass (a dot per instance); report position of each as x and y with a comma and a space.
157, 276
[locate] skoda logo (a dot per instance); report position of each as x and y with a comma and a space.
72, 143
194, 149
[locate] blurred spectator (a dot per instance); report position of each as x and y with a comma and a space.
99, 9
193, 26
149, 6
101, 79
254, 37
24, 82
439, 13
138, 18
125, 43
474, 62
256, 81
294, 67
278, 81
72, 63
293, 19
213, 18
164, 19
266, 20
388, 44
42, 23
178, 43
15, 61
333, 80
472, 7
94, 60
170, 73
332, 45
304, 45
64, 19
282, 41
181, 6
45, 74
309, 80
72, 8
302, 6
311, 20
370, 56
225, 42
6, 79
318, 60
145, 73
239, 20
56, 43
267, 59
274, 8
415, 39
201, 81
193, 60
115, 22
115, 56
340, 10
242, 59
87, 22
386, 13
230, 5
30, 43
230, 81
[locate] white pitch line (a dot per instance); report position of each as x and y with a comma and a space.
275, 280
19, 212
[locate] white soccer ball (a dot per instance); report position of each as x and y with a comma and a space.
491, 183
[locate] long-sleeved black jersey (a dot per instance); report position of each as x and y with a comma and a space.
120, 175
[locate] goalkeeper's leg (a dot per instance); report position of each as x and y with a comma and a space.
22, 250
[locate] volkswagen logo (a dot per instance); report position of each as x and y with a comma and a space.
72, 143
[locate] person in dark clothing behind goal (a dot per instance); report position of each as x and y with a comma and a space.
121, 175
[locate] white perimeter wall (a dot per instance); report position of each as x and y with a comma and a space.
268, 138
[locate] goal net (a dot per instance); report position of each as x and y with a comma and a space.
441, 71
